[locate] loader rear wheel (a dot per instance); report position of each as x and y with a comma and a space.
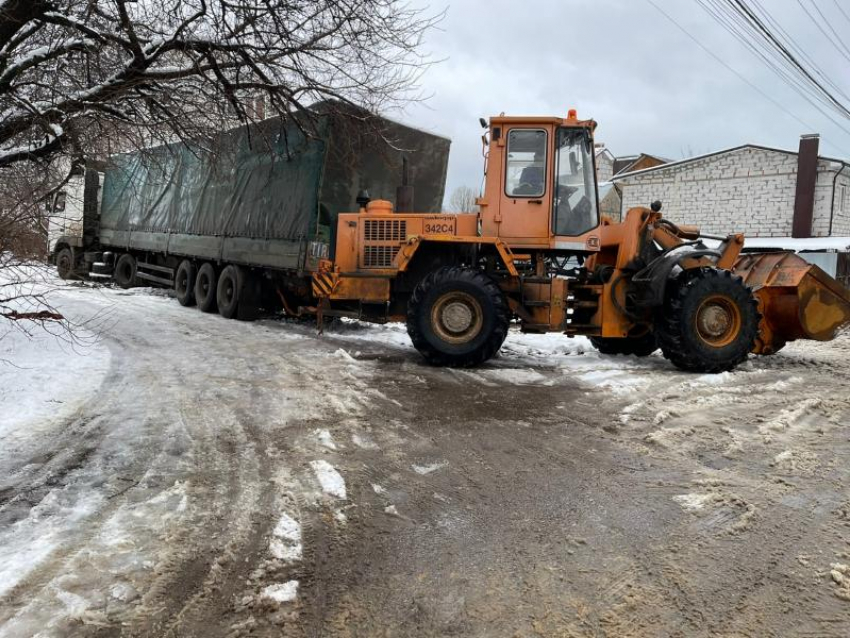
184, 283
205, 287
710, 321
641, 346
457, 317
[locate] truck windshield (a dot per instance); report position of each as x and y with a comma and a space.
575, 206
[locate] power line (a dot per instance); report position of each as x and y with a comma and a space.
741, 77
838, 6
837, 43
798, 49
759, 29
734, 23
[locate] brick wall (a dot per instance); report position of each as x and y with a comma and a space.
749, 190
841, 206
610, 204
604, 167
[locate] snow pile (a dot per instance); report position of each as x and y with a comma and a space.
286, 542
282, 592
44, 378
694, 502
331, 481
325, 439
29, 541
428, 469
524, 355
802, 244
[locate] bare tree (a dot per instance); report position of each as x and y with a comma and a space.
84, 78
463, 200
74, 70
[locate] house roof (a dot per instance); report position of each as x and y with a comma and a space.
604, 151
627, 162
732, 149
624, 162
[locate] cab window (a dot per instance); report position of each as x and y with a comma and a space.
575, 206
526, 166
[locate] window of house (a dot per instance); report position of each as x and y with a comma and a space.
526, 165
841, 196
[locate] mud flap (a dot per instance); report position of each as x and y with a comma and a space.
250, 287
797, 300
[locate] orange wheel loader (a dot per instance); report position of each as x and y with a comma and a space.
539, 253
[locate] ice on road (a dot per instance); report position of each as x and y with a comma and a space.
183, 474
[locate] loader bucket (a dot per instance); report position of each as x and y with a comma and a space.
797, 299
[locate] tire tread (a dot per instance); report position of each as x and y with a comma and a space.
491, 344
671, 329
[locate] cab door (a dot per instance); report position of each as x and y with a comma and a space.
526, 186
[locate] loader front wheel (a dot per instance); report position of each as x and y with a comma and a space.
457, 317
641, 346
709, 322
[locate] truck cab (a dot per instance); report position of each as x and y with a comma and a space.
72, 221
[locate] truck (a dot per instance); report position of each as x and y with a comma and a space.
537, 253
236, 223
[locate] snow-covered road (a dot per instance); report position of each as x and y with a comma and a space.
175, 473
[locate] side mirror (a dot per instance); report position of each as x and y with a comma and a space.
655, 206
483, 122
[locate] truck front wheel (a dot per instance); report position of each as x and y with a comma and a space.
65, 263
184, 283
457, 317
709, 322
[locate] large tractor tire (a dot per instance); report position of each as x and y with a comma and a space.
709, 322
206, 282
457, 317
125, 271
641, 346
65, 264
184, 283
227, 292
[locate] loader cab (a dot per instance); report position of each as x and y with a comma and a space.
541, 184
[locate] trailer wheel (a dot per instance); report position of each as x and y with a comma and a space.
641, 346
184, 283
457, 317
710, 321
205, 288
227, 292
125, 271
65, 263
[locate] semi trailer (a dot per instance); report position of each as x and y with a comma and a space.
271, 226
237, 223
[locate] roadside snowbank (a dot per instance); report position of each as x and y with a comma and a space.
44, 377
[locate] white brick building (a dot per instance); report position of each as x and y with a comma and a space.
604, 164
749, 189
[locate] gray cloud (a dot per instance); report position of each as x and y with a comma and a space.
622, 63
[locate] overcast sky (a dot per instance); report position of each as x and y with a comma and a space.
621, 62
